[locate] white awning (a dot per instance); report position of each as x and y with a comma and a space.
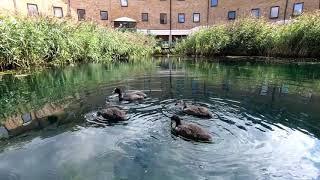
124, 19
174, 32
164, 32
285, 22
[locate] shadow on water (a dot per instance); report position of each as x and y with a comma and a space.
265, 123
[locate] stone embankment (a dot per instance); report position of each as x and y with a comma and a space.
18, 124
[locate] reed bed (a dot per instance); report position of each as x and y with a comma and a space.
44, 41
257, 37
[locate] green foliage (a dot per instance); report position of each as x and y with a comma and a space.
300, 38
42, 41
205, 42
249, 37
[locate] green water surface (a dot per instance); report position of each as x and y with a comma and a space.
265, 125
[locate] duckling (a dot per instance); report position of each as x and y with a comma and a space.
132, 96
194, 110
112, 114
189, 130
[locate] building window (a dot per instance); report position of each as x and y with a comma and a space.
214, 3
58, 12
274, 12
163, 18
81, 14
297, 9
144, 17
104, 15
32, 9
255, 12
231, 15
124, 3
181, 18
196, 17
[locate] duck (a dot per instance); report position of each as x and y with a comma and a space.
112, 114
132, 96
189, 131
194, 110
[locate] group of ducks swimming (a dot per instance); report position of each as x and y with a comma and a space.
185, 130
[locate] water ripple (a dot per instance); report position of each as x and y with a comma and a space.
260, 129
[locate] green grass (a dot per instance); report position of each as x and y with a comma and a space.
257, 37
43, 41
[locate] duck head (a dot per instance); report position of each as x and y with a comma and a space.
177, 119
181, 104
119, 92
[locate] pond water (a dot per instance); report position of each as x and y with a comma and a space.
265, 124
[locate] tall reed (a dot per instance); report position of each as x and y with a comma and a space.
299, 38
42, 41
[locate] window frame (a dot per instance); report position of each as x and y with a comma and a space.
78, 10
235, 15
294, 4
124, 5
57, 7
166, 19
271, 11
104, 19
145, 20
199, 18
211, 5
256, 9
36, 8
184, 18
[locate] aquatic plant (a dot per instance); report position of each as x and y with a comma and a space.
299, 38
42, 41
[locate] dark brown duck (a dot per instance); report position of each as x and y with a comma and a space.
112, 114
130, 96
189, 130
198, 111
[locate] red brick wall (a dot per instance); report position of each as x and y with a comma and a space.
155, 7
243, 8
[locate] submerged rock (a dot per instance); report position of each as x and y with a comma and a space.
18, 124
3, 133
28, 117
48, 110
49, 114
42, 118
13, 122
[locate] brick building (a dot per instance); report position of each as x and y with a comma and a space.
159, 16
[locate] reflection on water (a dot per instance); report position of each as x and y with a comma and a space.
265, 125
